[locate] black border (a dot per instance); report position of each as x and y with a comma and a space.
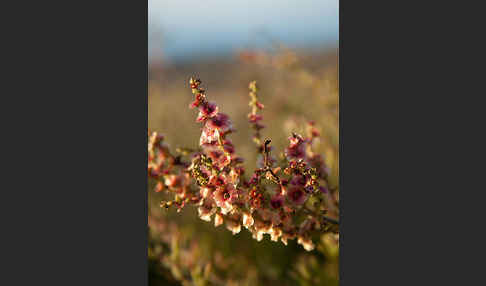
79, 75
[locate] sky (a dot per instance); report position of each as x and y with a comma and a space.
188, 28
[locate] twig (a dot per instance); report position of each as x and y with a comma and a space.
267, 167
331, 220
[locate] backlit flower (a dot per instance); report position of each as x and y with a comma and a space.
218, 219
247, 220
206, 111
221, 122
209, 135
296, 147
306, 243
233, 224
223, 197
205, 212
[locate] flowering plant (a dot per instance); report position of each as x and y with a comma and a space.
287, 197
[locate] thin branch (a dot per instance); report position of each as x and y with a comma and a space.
267, 167
331, 220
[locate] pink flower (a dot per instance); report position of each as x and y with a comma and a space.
208, 135
233, 223
205, 210
221, 122
197, 101
224, 196
218, 180
296, 152
218, 157
206, 111
238, 197
296, 147
277, 201
296, 195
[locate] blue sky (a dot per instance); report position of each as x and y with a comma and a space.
185, 28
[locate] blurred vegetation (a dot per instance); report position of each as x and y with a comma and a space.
295, 88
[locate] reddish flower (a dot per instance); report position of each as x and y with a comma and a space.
296, 148
224, 197
206, 111
221, 122
218, 157
218, 181
296, 195
197, 101
277, 201
206, 209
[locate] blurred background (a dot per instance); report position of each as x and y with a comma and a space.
291, 49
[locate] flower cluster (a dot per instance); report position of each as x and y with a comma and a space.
168, 171
288, 199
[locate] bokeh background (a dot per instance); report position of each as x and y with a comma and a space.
291, 49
